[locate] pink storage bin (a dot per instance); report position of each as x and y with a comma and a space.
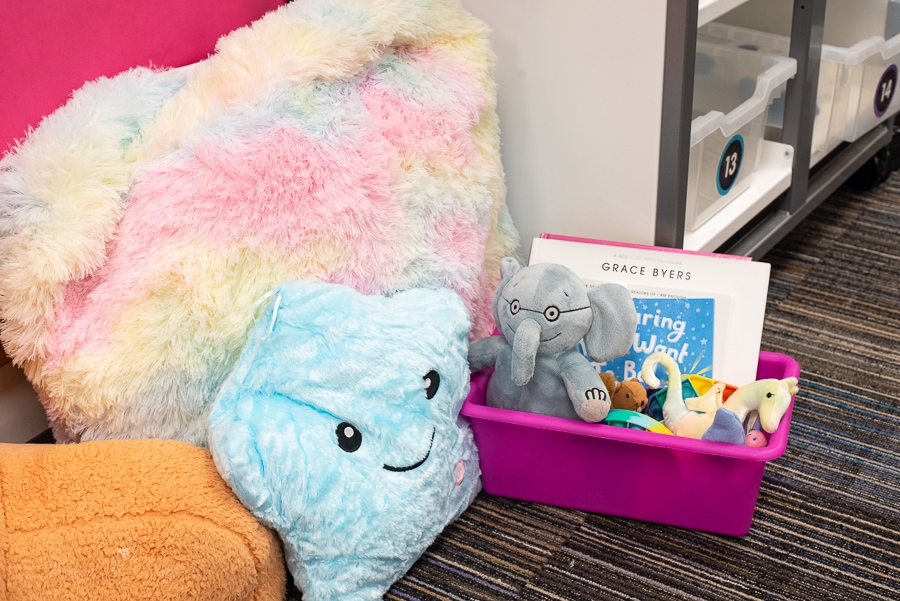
660, 478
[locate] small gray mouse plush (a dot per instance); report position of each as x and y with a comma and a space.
543, 311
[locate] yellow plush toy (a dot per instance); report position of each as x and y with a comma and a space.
134, 520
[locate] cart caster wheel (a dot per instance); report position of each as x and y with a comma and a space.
875, 171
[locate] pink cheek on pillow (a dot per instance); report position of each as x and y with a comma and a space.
756, 439
460, 472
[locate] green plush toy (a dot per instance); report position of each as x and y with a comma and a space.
543, 311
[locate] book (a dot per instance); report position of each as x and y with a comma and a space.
705, 310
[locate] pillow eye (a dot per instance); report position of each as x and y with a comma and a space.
348, 437
514, 307
432, 383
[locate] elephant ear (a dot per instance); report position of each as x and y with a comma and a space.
615, 320
509, 267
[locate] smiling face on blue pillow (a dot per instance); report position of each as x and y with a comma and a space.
339, 429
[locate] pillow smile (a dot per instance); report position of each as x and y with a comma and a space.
407, 468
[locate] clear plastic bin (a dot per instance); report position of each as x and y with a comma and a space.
858, 73
697, 484
733, 92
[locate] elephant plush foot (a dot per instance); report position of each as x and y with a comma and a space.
595, 408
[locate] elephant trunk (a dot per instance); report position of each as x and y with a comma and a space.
524, 350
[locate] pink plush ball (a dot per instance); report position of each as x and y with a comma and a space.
756, 438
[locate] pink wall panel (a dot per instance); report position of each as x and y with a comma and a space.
48, 48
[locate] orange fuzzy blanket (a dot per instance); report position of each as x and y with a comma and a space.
132, 520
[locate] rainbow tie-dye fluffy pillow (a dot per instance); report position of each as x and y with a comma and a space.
349, 142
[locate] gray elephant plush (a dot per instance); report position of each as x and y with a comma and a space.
543, 311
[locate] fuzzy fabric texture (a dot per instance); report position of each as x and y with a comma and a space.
340, 429
543, 312
344, 141
113, 520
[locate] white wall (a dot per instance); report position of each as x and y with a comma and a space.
580, 100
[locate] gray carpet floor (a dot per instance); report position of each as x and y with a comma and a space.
827, 522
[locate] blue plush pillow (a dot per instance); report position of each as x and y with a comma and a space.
339, 429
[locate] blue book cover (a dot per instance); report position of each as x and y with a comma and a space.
683, 328
705, 310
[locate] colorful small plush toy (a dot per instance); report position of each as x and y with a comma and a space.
543, 311
625, 418
629, 395
339, 429
711, 417
755, 438
128, 519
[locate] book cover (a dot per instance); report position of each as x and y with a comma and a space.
680, 327
705, 310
